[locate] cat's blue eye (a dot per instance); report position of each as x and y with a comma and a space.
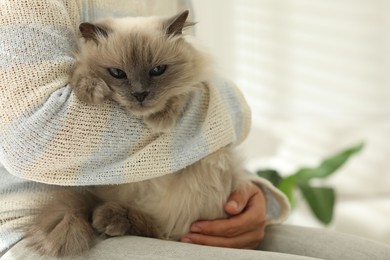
117, 73
158, 70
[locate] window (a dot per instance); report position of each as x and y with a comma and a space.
316, 74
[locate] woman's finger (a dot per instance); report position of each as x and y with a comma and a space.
248, 240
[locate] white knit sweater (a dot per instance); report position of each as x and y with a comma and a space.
48, 136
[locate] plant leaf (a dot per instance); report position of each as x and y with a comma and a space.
321, 201
328, 166
287, 186
271, 175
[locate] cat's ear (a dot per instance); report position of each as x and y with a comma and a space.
176, 24
91, 31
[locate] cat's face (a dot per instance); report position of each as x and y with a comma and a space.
144, 61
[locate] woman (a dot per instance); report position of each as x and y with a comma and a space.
47, 136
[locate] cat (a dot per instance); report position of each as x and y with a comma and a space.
147, 65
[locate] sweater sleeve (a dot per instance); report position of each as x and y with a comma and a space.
278, 207
47, 135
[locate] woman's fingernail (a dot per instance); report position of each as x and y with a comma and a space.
195, 228
233, 204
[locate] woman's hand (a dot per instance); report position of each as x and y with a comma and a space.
244, 229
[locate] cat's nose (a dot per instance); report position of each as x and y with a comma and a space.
140, 96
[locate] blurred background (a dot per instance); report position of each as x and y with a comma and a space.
316, 74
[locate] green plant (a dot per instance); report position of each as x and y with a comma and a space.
321, 199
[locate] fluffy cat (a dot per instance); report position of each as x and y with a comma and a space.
147, 66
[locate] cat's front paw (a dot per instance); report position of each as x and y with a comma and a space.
60, 235
160, 122
91, 90
114, 219
165, 120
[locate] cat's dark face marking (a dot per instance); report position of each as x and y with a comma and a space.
145, 68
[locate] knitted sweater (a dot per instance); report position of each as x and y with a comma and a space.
48, 136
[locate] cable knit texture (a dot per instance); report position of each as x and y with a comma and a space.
48, 136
